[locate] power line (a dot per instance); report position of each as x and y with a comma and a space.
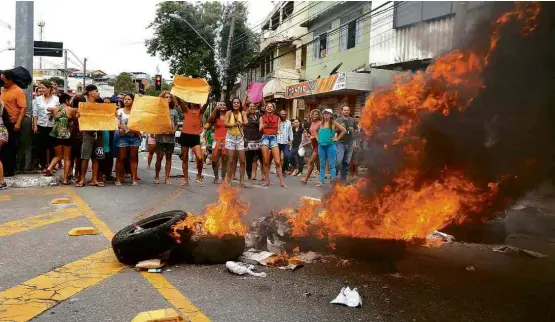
368, 15
307, 7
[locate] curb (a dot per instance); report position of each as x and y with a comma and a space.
31, 181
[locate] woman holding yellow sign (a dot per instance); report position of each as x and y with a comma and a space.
190, 138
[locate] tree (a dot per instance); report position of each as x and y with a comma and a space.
57, 80
186, 52
125, 83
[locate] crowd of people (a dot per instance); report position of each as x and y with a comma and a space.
254, 135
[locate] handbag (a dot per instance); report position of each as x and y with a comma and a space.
3, 133
302, 152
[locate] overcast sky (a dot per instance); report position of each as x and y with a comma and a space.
117, 48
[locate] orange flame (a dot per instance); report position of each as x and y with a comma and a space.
220, 218
409, 209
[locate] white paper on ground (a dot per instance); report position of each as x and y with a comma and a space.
348, 297
259, 256
242, 269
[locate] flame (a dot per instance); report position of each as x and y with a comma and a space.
223, 217
411, 208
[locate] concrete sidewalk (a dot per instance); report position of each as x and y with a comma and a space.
31, 180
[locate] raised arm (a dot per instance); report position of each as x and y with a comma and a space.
212, 116
182, 104
261, 122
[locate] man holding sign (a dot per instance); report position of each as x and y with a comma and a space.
93, 118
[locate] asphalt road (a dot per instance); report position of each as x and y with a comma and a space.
429, 284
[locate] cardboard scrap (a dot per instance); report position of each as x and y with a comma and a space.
150, 264
164, 315
83, 231
515, 250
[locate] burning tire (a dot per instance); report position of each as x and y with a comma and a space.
146, 239
209, 249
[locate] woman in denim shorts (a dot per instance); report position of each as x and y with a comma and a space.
269, 125
128, 143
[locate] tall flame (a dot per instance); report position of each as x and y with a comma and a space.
409, 207
223, 217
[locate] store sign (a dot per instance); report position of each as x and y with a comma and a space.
321, 85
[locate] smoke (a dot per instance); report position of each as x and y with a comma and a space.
505, 135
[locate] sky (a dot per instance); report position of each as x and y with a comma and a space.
117, 48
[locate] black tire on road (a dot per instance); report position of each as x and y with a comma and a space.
209, 249
131, 247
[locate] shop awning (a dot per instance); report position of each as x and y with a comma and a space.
341, 82
276, 87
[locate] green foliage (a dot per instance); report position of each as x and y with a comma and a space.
187, 54
56, 80
125, 84
151, 90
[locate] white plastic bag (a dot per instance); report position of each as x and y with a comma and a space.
348, 297
242, 269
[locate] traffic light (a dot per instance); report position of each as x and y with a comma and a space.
158, 82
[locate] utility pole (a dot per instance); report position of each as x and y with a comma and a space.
41, 25
24, 47
84, 73
65, 72
228, 55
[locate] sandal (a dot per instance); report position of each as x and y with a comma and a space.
156, 181
47, 173
79, 185
117, 183
318, 184
135, 183
167, 181
185, 183
304, 180
265, 184
100, 184
199, 182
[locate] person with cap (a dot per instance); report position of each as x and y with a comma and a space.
15, 104
345, 146
93, 144
327, 140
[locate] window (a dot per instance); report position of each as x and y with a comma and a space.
288, 9
321, 44
348, 36
275, 20
411, 12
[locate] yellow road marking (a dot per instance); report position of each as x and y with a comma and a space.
175, 297
29, 299
90, 214
5, 197
38, 191
38, 221
164, 287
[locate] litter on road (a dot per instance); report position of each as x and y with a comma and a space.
83, 231
59, 201
242, 269
150, 264
437, 238
348, 297
470, 269
155, 270
165, 315
515, 250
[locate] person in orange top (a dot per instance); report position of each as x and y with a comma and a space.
190, 138
15, 104
217, 119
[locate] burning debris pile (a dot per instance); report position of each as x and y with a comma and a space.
215, 236
455, 143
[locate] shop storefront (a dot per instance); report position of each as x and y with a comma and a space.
333, 92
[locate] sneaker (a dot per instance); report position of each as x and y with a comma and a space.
3, 186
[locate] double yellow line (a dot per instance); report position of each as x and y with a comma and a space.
31, 298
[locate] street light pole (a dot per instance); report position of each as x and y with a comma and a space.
84, 73
65, 72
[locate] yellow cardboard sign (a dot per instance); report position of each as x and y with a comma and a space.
97, 116
191, 90
151, 115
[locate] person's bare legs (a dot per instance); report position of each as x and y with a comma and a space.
185, 165
310, 167
231, 163
277, 162
84, 168
1, 172
198, 158
265, 166
158, 166
151, 151
120, 164
95, 166
67, 163
242, 167
216, 163
168, 167
254, 166
57, 157
134, 157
